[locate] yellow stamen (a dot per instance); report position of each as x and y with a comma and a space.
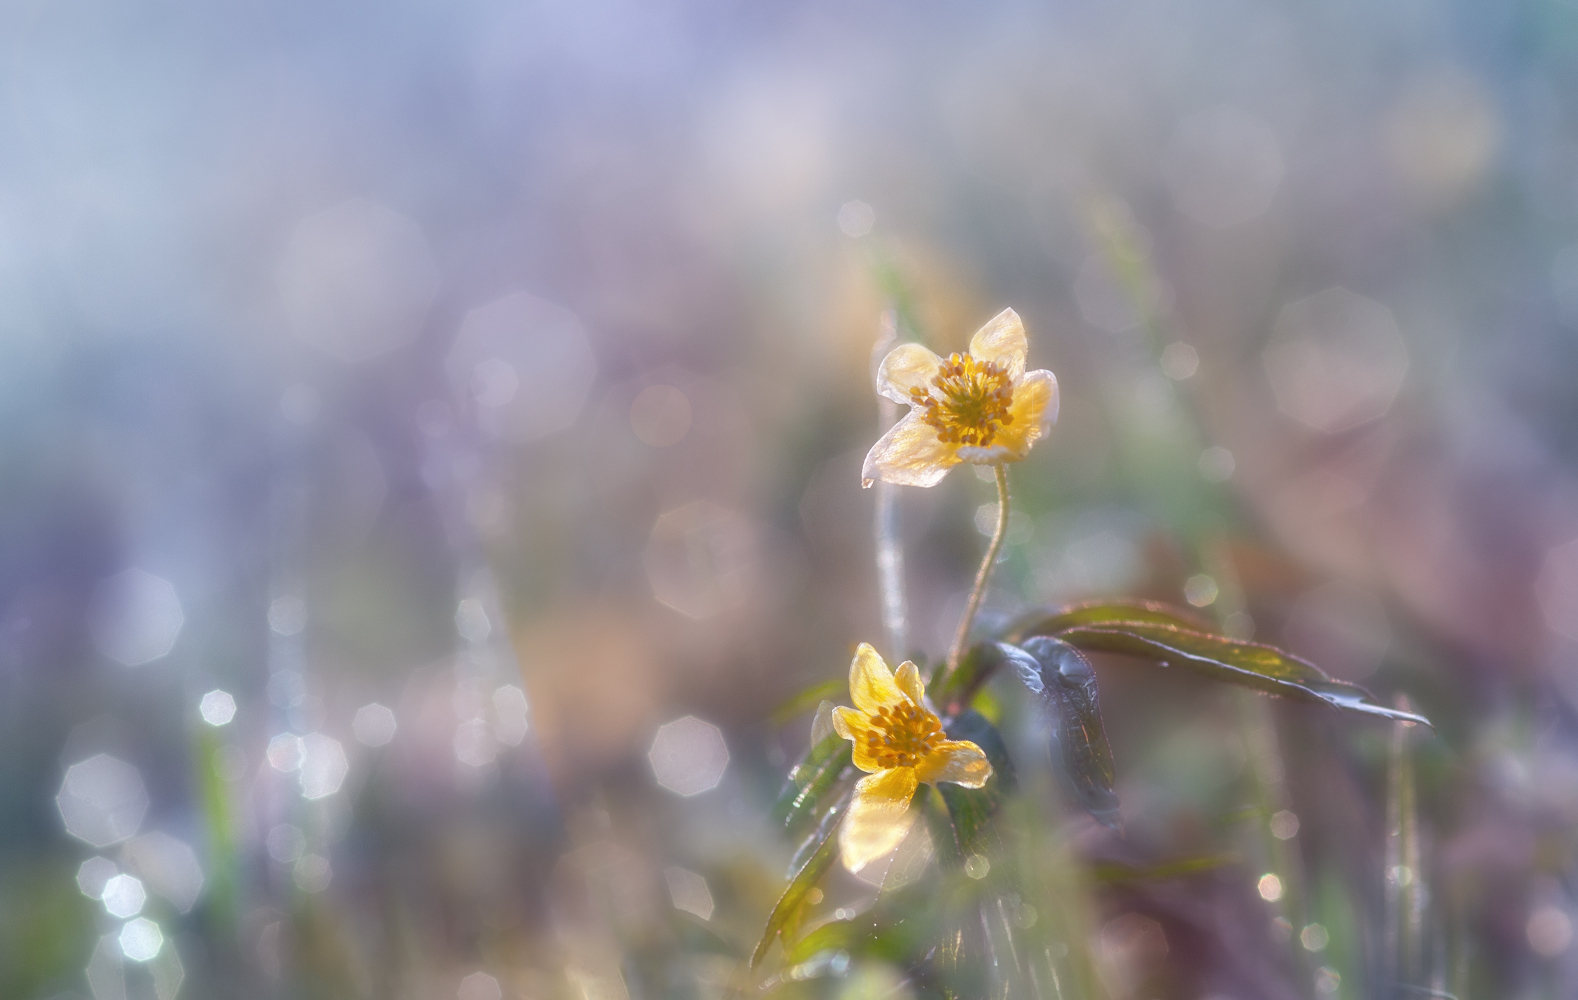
970, 401
902, 734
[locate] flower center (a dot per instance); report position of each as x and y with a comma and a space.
968, 402
902, 734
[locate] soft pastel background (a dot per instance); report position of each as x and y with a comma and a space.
505, 367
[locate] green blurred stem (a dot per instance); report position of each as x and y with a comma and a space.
962, 636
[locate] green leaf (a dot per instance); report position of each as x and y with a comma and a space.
1101, 613
1249, 664
809, 789
973, 809
790, 906
1066, 685
955, 691
806, 700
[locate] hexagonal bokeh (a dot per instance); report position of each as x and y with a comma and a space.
323, 766
102, 801
1557, 589
141, 939
688, 756
526, 364
217, 707
1223, 167
356, 280
374, 724
510, 716
689, 892
1336, 360
479, 986
702, 559
93, 874
123, 896
285, 752
168, 866
135, 617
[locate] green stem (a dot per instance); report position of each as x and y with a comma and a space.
962, 636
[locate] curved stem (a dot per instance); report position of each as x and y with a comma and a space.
962, 636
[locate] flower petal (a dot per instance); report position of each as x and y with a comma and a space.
907, 366
879, 816
1002, 340
822, 726
1034, 409
955, 760
871, 682
909, 681
909, 454
852, 725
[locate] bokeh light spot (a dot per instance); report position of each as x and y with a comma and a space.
374, 724
135, 617
856, 219
102, 800
1314, 937
1270, 888
475, 744
123, 896
1549, 930
1180, 361
660, 415
287, 615
93, 874
510, 716
217, 707
701, 559
141, 939
323, 766
1285, 825
1335, 360
285, 752
688, 756
312, 873
689, 892
168, 866
1217, 464
286, 843
1201, 590
479, 986
471, 621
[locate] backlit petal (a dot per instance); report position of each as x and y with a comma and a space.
871, 683
908, 678
1034, 409
822, 725
955, 760
851, 724
878, 818
909, 454
1002, 340
907, 366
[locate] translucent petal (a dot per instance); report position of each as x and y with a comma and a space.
1003, 340
871, 683
907, 366
851, 724
955, 760
823, 726
878, 818
909, 681
909, 454
1034, 410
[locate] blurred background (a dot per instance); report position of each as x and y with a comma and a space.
430, 441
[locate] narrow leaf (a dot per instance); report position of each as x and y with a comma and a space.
787, 911
1066, 684
805, 701
1102, 613
1249, 664
807, 790
1116, 873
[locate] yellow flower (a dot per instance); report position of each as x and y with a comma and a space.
980, 407
899, 742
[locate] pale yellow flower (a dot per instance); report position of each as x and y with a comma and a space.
900, 743
980, 407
